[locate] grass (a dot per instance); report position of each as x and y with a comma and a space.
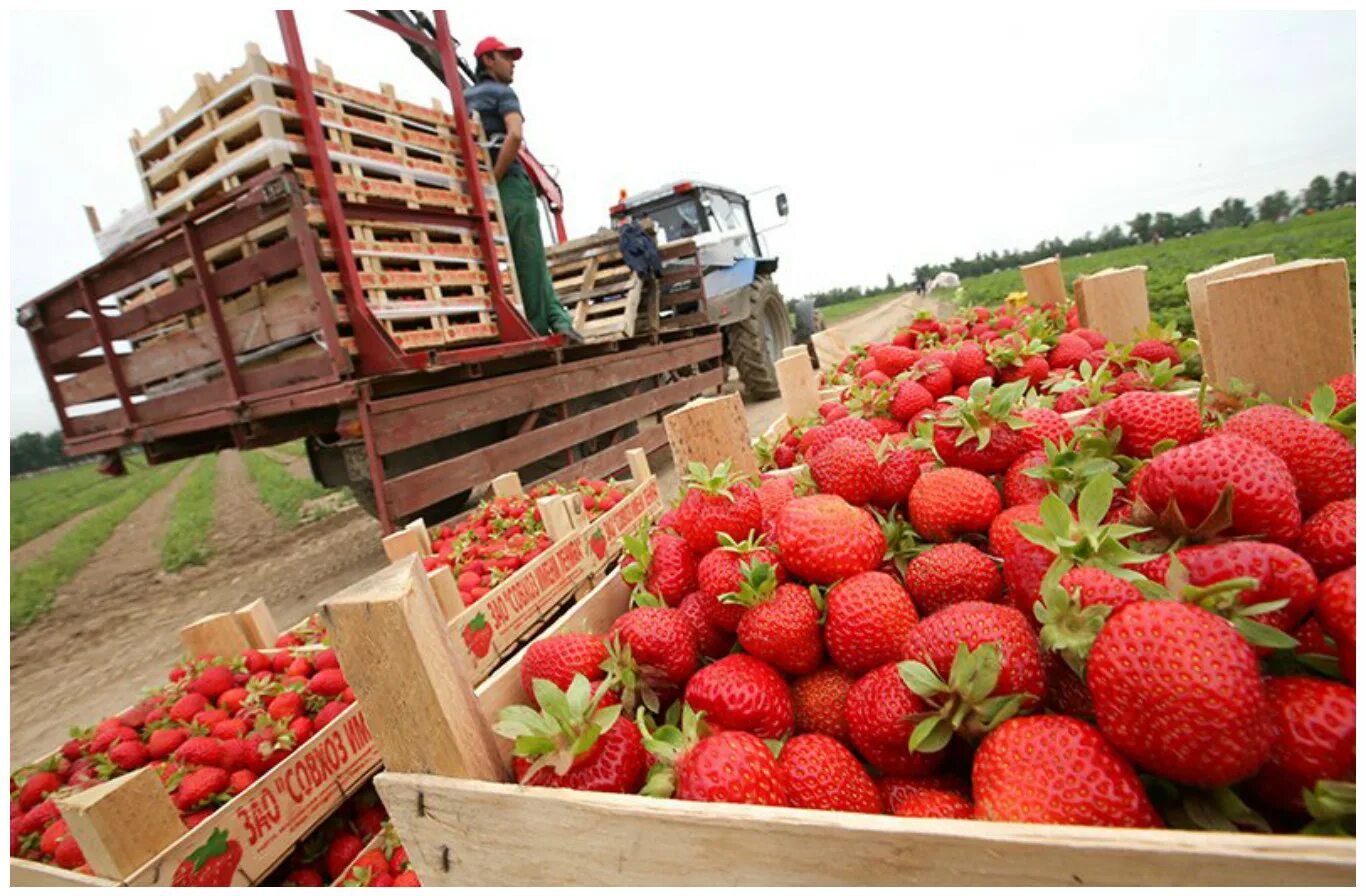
281, 491
840, 311
46, 500
187, 533
1330, 234
295, 448
34, 585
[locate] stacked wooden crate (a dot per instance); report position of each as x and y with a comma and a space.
425, 283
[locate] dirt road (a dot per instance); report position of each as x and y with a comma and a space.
115, 627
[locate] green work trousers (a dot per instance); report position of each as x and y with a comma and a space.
543, 309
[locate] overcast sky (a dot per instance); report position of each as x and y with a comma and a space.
900, 136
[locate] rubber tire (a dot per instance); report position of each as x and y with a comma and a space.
749, 350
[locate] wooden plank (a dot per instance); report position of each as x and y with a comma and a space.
402, 663
122, 823
797, 383
508, 485
446, 591
217, 634
709, 431
474, 833
258, 624
1197, 286
1285, 329
1114, 302
411, 539
23, 873
1043, 281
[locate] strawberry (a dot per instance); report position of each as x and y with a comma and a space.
934, 804
52, 836
200, 786
1069, 352
823, 538
847, 468
200, 751
240, 780
868, 617
1154, 351
717, 502
895, 790
742, 693
36, 818
951, 573
897, 472
819, 772
212, 682
723, 571
164, 741
108, 737
575, 742
68, 854
774, 493
1045, 425
878, 711
818, 437
1146, 656
1146, 419
652, 653
1337, 613
301, 728
712, 640
934, 375
329, 712
185, 708
304, 877
969, 364
1315, 739
729, 767
407, 879
36, 789
892, 359
818, 702
1321, 460
558, 658
980, 432
910, 399
1329, 538
327, 682
949, 502
1056, 770
326, 659
1222, 485
1092, 337
341, 852
285, 706
781, 624
1344, 389
663, 565
128, 755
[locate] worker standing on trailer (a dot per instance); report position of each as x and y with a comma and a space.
492, 96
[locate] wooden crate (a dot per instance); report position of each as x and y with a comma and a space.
595, 286
463, 825
499, 623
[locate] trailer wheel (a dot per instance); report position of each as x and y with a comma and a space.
757, 341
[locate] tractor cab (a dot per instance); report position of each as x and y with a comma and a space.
716, 219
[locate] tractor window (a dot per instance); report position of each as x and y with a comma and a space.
676, 222
727, 214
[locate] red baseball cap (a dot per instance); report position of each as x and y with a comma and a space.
491, 44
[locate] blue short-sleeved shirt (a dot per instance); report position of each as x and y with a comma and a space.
493, 99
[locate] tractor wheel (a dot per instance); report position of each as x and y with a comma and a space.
758, 340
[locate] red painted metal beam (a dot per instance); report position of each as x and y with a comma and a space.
110, 356
401, 30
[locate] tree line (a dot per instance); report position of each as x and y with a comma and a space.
31, 451
1146, 227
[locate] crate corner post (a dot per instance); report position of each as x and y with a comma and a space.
218, 634
1043, 281
122, 824
709, 431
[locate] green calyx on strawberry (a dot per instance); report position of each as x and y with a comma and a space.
1068, 628
1224, 599
961, 704
1094, 379
1321, 405
714, 481
1007, 354
758, 581
983, 410
903, 545
568, 725
1071, 465
682, 730
1082, 540
868, 400
1333, 806
637, 545
1193, 808
638, 684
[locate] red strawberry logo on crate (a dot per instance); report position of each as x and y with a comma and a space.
478, 635
212, 864
598, 542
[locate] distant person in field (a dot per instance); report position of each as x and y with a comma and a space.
500, 112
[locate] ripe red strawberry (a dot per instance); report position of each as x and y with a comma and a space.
952, 573
200, 751
1069, 352
935, 376
818, 437
164, 741
407, 879
774, 493
1321, 460
327, 682
878, 711
823, 538
1147, 418
949, 502
934, 804
1344, 392
200, 786
712, 640
1045, 425
559, 658
36, 789
1056, 770
1146, 656
285, 706
664, 566
897, 473
341, 852
818, 702
867, 619
52, 836
1021, 488
717, 502
1329, 538
68, 854
981, 432
730, 767
819, 772
848, 468
105, 738
1315, 739
892, 359
615, 763
1155, 351
36, 818
1183, 490
910, 400
128, 755
742, 693
652, 653
304, 877
781, 624
212, 682
185, 708
1336, 611
723, 571
896, 789
970, 364
240, 780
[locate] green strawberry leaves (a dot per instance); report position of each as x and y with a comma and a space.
1333, 806
568, 725
964, 703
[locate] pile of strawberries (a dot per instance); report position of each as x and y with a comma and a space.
968, 605
219, 725
504, 534
349, 848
